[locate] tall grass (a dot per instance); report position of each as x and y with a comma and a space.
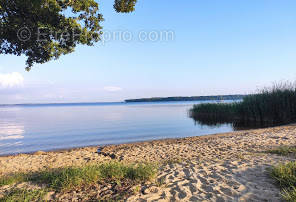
271, 106
285, 176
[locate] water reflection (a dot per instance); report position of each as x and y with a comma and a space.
236, 125
50, 127
11, 136
8, 132
12, 130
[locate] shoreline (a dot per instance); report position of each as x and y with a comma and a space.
227, 166
109, 145
67, 149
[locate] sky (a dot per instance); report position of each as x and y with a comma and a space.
166, 48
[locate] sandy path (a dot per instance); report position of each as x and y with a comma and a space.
237, 180
225, 167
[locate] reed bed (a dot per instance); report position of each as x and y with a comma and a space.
270, 106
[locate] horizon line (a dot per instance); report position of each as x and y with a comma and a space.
109, 102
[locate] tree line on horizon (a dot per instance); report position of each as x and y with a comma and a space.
191, 98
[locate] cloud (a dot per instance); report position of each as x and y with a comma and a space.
112, 88
9, 80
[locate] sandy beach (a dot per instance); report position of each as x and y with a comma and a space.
222, 167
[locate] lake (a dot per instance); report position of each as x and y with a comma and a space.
29, 128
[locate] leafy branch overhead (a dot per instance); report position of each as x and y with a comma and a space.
43, 30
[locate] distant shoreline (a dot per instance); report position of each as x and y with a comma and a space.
190, 98
160, 99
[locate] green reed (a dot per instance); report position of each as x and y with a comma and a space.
270, 106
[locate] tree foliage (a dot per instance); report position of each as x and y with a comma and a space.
43, 30
125, 6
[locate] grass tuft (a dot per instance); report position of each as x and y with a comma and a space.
285, 176
12, 179
284, 150
74, 177
67, 178
289, 195
17, 195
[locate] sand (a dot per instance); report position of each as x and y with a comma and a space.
222, 167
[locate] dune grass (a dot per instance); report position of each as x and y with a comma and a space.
22, 195
285, 176
73, 178
67, 178
271, 106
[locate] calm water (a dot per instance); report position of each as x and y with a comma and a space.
29, 128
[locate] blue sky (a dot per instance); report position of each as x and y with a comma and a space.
218, 47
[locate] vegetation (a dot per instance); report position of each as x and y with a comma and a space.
125, 6
44, 30
193, 98
16, 195
289, 195
271, 106
285, 176
17, 178
284, 151
73, 178
217, 113
67, 178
